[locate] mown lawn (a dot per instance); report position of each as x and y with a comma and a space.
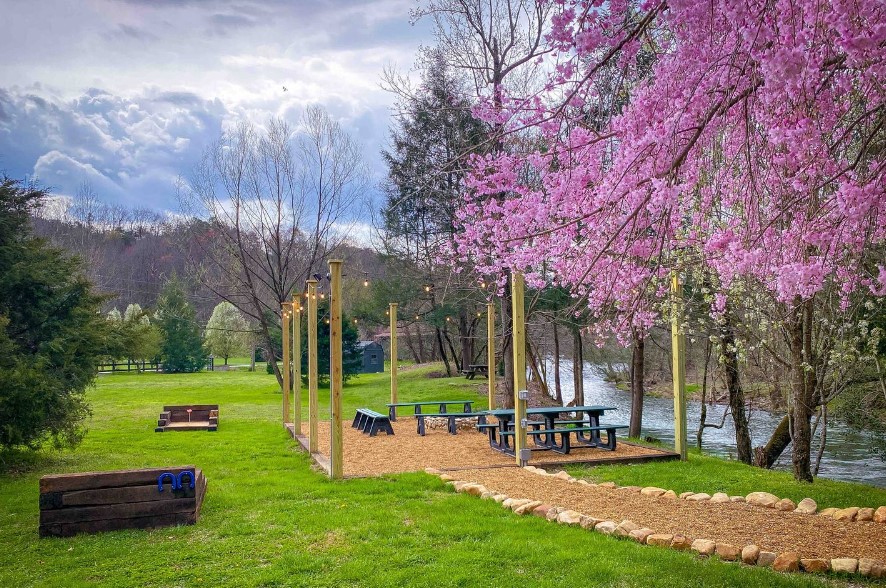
269, 519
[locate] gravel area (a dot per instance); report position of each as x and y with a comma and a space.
407, 451
737, 523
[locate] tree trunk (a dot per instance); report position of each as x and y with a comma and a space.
736, 392
578, 378
637, 369
506, 351
766, 456
802, 390
703, 417
443, 351
533, 367
558, 389
466, 338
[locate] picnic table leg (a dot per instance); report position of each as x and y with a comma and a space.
453, 428
392, 413
467, 407
594, 418
442, 408
421, 424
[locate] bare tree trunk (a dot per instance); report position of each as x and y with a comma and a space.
465, 334
637, 391
533, 367
704, 391
736, 392
802, 386
578, 380
442, 351
558, 389
766, 456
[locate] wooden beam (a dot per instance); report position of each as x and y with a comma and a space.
335, 370
296, 362
393, 312
678, 355
519, 346
490, 352
312, 366
285, 368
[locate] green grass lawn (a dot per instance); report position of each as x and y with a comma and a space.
269, 519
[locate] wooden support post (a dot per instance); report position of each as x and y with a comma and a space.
519, 345
313, 446
335, 369
296, 364
393, 312
287, 309
678, 354
490, 351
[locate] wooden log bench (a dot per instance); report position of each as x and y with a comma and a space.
93, 502
369, 421
451, 418
188, 417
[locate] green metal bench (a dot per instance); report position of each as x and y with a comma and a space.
369, 421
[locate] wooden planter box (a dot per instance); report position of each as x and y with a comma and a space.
203, 417
124, 499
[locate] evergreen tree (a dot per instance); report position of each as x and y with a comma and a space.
352, 357
182, 349
226, 331
52, 335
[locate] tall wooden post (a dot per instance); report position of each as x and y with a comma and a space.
393, 312
287, 309
335, 369
296, 364
490, 352
678, 355
312, 366
520, 392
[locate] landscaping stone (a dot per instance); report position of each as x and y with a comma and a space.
500, 498
700, 497
587, 522
554, 513
846, 514
446, 478
785, 505
865, 514
459, 484
542, 510
669, 494
764, 499
815, 565
659, 539
750, 554
527, 508
684, 495
787, 562
487, 495
846, 565
475, 489
652, 491
585, 483
606, 527
433, 471
727, 551
807, 506
569, 517
607, 485
866, 566
828, 512
640, 535
563, 475
519, 502
720, 498
880, 515
766, 559
625, 527
681, 543
631, 488
737, 499
703, 546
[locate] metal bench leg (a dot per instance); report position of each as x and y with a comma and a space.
387, 428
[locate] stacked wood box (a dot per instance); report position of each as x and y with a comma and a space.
124, 499
189, 417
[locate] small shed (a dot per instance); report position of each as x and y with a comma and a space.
373, 357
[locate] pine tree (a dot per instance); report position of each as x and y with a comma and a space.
182, 349
52, 336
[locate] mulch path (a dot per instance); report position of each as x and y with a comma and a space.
737, 523
407, 451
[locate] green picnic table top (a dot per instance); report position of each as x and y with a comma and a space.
429, 402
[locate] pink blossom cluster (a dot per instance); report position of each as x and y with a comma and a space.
753, 145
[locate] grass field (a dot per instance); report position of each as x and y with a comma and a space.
269, 519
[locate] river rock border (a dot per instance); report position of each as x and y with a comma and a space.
749, 554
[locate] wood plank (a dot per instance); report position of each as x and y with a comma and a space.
125, 510
192, 406
112, 479
120, 495
71, 529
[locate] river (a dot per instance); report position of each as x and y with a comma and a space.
846, 455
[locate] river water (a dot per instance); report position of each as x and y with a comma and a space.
846, 455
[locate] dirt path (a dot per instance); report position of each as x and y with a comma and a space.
737, 523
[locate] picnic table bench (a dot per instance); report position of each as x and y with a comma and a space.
451, 417
467, 406
369, 421
566, 434
474, 369
544, 433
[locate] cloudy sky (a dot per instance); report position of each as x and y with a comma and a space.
125, 94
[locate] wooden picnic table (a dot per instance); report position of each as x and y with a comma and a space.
476, 368
505, 416
467, 406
